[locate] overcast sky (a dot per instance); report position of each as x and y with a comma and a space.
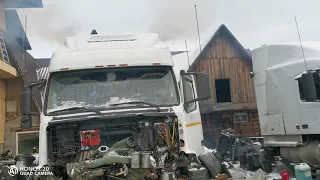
253, 22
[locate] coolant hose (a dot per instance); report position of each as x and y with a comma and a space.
105, 161
119, 149
104, 153
124, 143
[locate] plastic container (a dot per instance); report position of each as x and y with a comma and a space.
168, 174
302, 172
284, 175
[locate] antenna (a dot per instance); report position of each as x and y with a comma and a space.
185, 41
304, 58
24, 44
195, 7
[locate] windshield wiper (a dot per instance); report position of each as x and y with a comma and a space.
137, 102
78, 108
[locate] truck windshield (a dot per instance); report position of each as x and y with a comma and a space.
100, 88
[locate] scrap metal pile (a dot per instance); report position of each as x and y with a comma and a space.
248, 151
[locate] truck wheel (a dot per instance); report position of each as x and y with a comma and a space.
264, 161
250, 163
266, 166
211, 162
198, 174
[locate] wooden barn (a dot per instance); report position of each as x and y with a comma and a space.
228, 64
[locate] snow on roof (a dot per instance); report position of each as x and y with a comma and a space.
85, 52
273, 55
104, 42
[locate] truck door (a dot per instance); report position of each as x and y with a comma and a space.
193, 135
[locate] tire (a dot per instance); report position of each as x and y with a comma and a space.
266, 166
250, 164
264, 161
198, 174
213, 165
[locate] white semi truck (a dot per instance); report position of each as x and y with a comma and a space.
287, 87
113, 109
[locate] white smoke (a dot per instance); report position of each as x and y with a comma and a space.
177, 19
50, 23
172, 19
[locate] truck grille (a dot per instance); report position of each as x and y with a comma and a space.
63, 140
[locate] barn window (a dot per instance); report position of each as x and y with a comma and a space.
26, 141
223, 90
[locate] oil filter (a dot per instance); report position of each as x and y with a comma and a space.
135, 160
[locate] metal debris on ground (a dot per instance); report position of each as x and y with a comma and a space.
258, 175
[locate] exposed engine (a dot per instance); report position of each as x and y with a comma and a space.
119, 148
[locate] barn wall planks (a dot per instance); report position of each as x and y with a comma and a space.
213, 123
13, 95
14, 86
12, 113
223, 61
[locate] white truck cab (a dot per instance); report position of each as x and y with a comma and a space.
103, 91
287, 86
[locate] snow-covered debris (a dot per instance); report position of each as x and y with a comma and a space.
258, 175
36, 161
238, 173
207, 150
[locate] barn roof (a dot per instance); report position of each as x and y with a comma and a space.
223, 30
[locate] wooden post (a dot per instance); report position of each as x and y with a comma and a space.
2, 110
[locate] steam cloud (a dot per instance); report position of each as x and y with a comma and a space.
49, 23
177, 19
174, 19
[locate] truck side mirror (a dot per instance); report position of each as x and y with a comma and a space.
26, 100
26, 104
203, 87
26, 107
202, 83
309, 87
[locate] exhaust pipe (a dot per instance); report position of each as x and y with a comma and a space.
124, 143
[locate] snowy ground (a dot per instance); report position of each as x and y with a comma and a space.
238, 173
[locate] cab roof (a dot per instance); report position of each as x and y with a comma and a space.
85, 52
282, 54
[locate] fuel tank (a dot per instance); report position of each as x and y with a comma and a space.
309, 153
